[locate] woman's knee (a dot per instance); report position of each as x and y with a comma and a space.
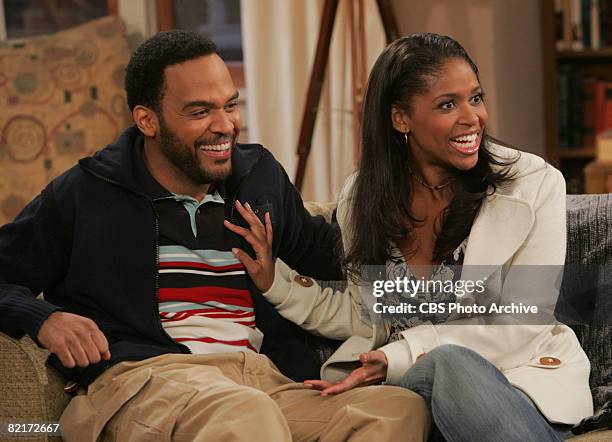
451, 353
442, 363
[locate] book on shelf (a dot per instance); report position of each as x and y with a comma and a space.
588, 112
583, 24
603, 106
584, 108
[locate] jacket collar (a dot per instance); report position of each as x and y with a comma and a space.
118, 162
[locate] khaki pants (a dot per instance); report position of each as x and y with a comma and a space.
232, 397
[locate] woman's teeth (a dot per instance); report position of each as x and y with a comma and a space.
465, 143
466, 138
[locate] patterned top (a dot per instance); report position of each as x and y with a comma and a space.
449, 270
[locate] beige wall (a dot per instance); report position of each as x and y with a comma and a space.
503, 39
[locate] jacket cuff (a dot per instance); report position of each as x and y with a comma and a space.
421, 339
281, 287
399, 360
32, 312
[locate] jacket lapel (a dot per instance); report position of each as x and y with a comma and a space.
500, 228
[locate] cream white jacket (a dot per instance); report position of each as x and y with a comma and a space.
522, 224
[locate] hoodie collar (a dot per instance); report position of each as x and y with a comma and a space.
121, 163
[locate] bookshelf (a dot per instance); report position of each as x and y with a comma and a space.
564, 72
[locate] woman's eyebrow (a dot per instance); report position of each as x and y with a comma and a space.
454, 95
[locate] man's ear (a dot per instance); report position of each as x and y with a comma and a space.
399, 120
146, 120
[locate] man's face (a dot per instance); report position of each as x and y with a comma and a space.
199, 120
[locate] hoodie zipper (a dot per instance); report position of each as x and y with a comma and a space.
183, 348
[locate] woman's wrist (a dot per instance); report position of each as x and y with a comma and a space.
399, 360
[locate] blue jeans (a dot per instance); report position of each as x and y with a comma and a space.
471, 400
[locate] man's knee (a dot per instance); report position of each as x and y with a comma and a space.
240, 413
258, 402
381, 412
404, 404
250, 402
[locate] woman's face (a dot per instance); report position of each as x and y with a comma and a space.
447, 122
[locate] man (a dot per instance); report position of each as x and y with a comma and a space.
146, 303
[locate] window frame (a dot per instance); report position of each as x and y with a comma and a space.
166, 20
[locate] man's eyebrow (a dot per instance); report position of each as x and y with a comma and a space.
204, 103
450, 95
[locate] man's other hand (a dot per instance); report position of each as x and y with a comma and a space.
74, 339
261, 269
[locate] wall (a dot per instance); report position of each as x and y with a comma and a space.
503, 39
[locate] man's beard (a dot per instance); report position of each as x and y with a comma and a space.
186, 158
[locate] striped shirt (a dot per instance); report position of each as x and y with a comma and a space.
204, 299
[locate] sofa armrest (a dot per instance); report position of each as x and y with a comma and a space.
326, 210
30, 390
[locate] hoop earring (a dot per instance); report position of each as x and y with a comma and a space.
406, 138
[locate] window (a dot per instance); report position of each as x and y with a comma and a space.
26, 18
217, 19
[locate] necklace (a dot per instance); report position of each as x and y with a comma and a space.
424, 184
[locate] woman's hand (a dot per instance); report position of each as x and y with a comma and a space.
261, 269
373, 370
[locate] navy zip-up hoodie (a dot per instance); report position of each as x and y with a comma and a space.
89, 242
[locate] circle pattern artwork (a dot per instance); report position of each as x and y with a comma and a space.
88, 109
69, 76
86, 54
119, 76
25, 83
119, 106
24, 138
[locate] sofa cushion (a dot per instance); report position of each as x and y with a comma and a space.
585, 303
62, 98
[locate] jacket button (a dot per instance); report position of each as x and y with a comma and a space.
550, 361
303, 281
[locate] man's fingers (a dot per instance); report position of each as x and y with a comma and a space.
65, 357
78, 354
100, 341
90, 349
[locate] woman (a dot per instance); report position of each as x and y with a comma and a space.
433, 198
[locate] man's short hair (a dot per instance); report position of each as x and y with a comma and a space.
144, 75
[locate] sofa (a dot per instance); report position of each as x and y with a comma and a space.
30, 390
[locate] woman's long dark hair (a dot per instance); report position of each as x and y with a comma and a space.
379, 203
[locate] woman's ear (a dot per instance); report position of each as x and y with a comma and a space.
400, 120
146, 120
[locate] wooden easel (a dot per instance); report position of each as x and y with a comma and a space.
315, 85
